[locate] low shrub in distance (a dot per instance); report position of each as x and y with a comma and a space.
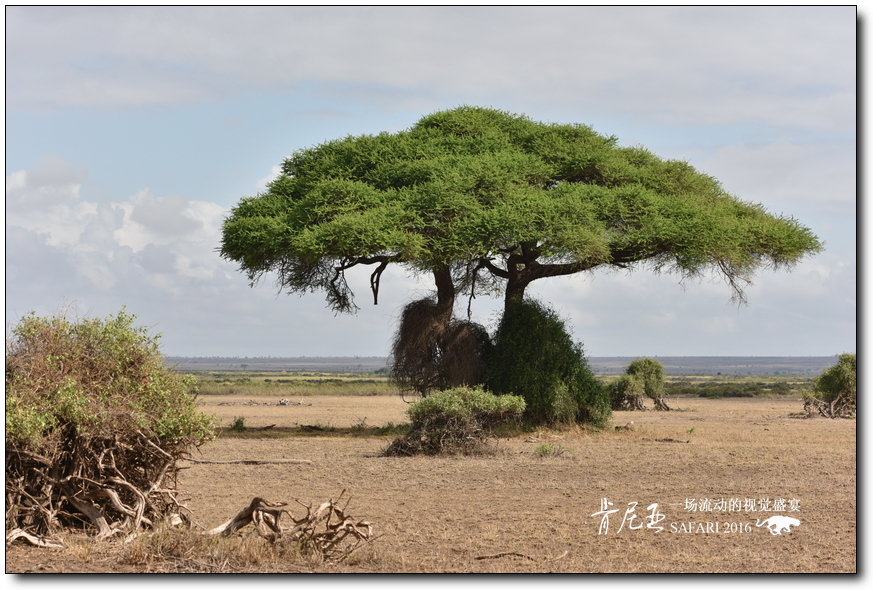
835, 392
715, 390
455, 421
626, 393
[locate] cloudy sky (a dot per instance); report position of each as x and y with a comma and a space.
131, 132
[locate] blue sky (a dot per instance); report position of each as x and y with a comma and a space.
130, 132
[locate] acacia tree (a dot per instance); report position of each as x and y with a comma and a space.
489, 201
483, 199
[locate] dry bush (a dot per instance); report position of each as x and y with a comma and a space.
95, 423
432, 351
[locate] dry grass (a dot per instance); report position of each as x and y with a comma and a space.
326, 411
518, 511
297, 387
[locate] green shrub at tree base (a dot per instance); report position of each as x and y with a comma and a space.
535, 357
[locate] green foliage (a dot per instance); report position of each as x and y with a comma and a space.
466, 403
481, 189
841, 379
626, 393
94, 377
651, 373
455, 421
238, 424
642, 377
835, 391
720, 390
535, 357
549, 450
780, 388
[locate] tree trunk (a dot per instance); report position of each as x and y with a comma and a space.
521, 269
514, 292
445, 292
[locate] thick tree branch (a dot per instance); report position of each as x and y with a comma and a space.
493, 269
374, 280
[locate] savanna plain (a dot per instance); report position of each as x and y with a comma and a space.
716, 468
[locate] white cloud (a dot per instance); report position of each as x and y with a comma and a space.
163, 215
723, 65
820, 175
275, 171
45, 199
106, 243
50, 183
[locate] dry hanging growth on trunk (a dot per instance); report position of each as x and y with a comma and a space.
433, 351
326, 531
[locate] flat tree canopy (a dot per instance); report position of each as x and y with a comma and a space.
490, 200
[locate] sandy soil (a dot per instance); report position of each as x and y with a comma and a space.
516, 512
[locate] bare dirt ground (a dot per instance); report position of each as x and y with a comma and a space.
514, 511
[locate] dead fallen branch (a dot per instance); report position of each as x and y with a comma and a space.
675, 440
515, 554
254, 462
505, 554
326, 531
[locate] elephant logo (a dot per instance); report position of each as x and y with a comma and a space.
778, 523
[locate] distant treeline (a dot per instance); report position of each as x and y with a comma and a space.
673, 365
719, 390
723, 365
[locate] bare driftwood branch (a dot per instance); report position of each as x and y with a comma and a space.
321, 531
33, 539
246, 515
96, 516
